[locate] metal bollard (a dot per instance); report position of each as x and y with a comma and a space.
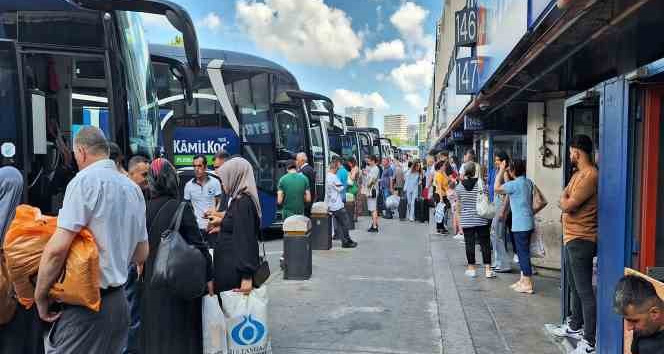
321, 230
297, 248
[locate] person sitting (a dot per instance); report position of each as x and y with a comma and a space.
636, 300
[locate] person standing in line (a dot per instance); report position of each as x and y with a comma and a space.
636, 300
342, 174
204, 193
399, 178
219, 158
475, 228
355, 177
440, 182
412, 188
236, 255
333, 189
116, 155
372, 191
500, 257
579, 208
213, 230
23, 333
520, 192
293, 191
470, 157
170, 324
137, 171
308, 171
387, 185
112, 207
428, 177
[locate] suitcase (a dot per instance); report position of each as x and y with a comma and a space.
403, 208
421, 210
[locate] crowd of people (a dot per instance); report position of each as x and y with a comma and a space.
218, 213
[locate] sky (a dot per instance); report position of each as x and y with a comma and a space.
372, 53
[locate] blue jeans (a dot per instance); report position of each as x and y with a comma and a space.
522, 240
411, 196
133, 295
500, 257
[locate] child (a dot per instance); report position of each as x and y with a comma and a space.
452, 197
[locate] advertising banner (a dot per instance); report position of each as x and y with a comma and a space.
188, 142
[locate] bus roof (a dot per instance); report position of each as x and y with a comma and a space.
232, 60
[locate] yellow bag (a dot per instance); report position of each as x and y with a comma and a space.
24, 244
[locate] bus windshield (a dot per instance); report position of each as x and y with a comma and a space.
142, 106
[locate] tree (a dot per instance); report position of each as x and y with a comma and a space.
177, 41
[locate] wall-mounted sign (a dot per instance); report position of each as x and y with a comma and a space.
465, 27
472, 123
188, 142
467, 75
457, 135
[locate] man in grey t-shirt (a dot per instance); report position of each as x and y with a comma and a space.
333, 188
112, 207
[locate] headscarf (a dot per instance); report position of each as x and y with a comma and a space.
11, 188
163, 179
238, 176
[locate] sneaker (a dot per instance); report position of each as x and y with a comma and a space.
373, 229
490, 273
458, 237
503, 270
349, 244
566, 331
515, 259
584, 348
471, 273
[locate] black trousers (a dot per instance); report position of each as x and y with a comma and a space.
473, 235
580, 255
342, 224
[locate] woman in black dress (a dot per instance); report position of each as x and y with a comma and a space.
169, 324
236, 253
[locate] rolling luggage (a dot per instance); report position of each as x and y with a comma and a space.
403, 208
421, 210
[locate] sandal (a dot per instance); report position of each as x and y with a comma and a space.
524, 289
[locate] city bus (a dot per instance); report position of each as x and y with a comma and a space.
66, 65
368, 142
386, 148
248, 106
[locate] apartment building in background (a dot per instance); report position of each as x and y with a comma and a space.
362, 116
396, 126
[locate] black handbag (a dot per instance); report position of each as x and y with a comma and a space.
263, 271
179, 266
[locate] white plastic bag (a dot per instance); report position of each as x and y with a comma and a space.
440, 212
537, 249
246, 321
214, 327
392, 202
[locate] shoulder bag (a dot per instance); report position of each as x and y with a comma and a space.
179, 266
263, 271
539, 201
485, 209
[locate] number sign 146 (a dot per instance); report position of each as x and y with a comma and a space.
466, 27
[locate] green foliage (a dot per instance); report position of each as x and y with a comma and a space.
177, 41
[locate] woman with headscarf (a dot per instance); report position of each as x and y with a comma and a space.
23, 333
236, 256
169, 324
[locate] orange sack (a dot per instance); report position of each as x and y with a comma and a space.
7, 300
23, 246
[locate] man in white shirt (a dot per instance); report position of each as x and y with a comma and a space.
203, 192
112, 207
335, 204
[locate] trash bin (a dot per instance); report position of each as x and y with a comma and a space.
297, 248
321, 227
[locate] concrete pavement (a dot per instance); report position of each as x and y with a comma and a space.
403, 291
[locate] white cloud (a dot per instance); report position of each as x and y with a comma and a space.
415, 100
305, 31
211, 21
413, 77
156, 22
394, 50
381, 77
347, 98
409, 20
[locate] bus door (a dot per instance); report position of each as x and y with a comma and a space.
289, 123
364, 142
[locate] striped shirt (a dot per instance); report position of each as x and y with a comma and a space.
468, 201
